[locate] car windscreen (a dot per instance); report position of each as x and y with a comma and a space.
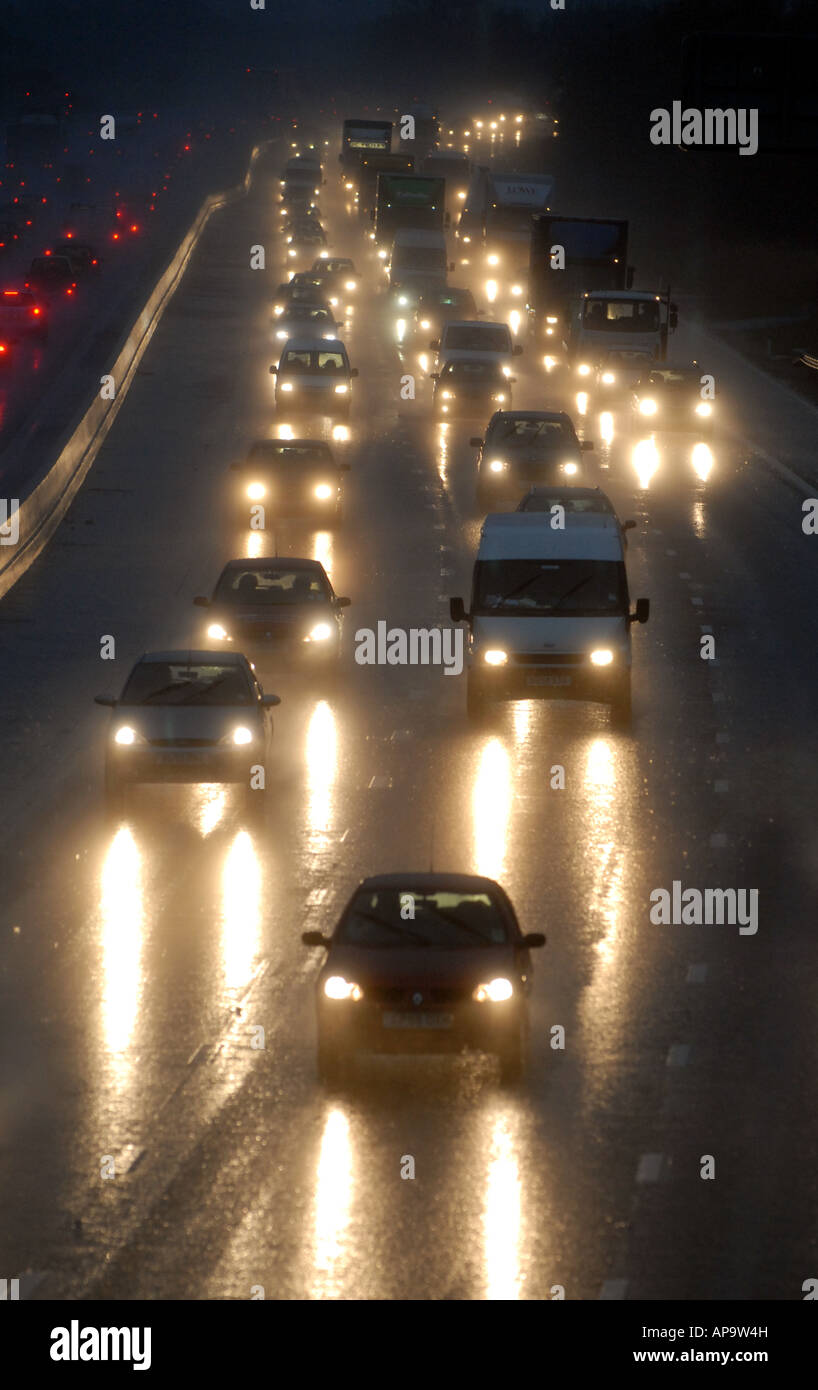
309, 313
523, 434
539, 501
318, 362
668, 379
273, 455
403, 917
419, 258
481, 338
271, 585
169, 683
335, 266
586, 588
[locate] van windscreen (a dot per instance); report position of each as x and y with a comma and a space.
582, 588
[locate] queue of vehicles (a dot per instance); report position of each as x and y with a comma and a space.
425, 962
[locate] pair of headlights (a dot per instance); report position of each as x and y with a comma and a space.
494, 991
321, 632
323, 491
495, 656
126, 736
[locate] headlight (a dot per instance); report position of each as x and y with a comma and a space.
447, 395
323, 491
255, 491
425, 324
647, 406
381, 253
497, 465
704, 408
467, 239
125, 735
278, 310
500, 398
242, 735
491, 290
291, 251
602, 657
217, 632
493, 259
342, 389
608, 378
402, 300
336, 987
334, 303
516, 289
495, 657
584, 369
282, 334
286, 386
348, 185
320, 633
349, 285
495, 991
569, 468
551, 318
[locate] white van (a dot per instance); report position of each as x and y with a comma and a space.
550, 614
417, 262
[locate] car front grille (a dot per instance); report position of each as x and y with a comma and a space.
183, 742
402, 996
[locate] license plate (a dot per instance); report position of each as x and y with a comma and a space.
549, 678
393, 1020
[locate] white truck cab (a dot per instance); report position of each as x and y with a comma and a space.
550, 613
613, 320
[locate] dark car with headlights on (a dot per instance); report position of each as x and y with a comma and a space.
424, 963
279, 609
313, 377
306, 320
338, 274
289, 477
670, 398
612, 378
188, 716
470, 386
523, 447
436, 307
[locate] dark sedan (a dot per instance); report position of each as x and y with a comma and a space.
524, 447
278, 609
670, 397
470, 385
424, 962
289, 477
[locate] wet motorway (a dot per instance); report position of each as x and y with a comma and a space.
140, 958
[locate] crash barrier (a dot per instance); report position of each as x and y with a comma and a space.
27, 524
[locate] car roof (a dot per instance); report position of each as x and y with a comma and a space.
470, 883
265, 561
196, 657
313, 345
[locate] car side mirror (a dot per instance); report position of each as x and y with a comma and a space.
628, 525
533, 938
314, 938
201, 602
434, 376
517, 350
342, 602
270, 700
476, 442
457, 610
105, 700
354, 371
434, 344
273, 371
642, 611
585, 445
